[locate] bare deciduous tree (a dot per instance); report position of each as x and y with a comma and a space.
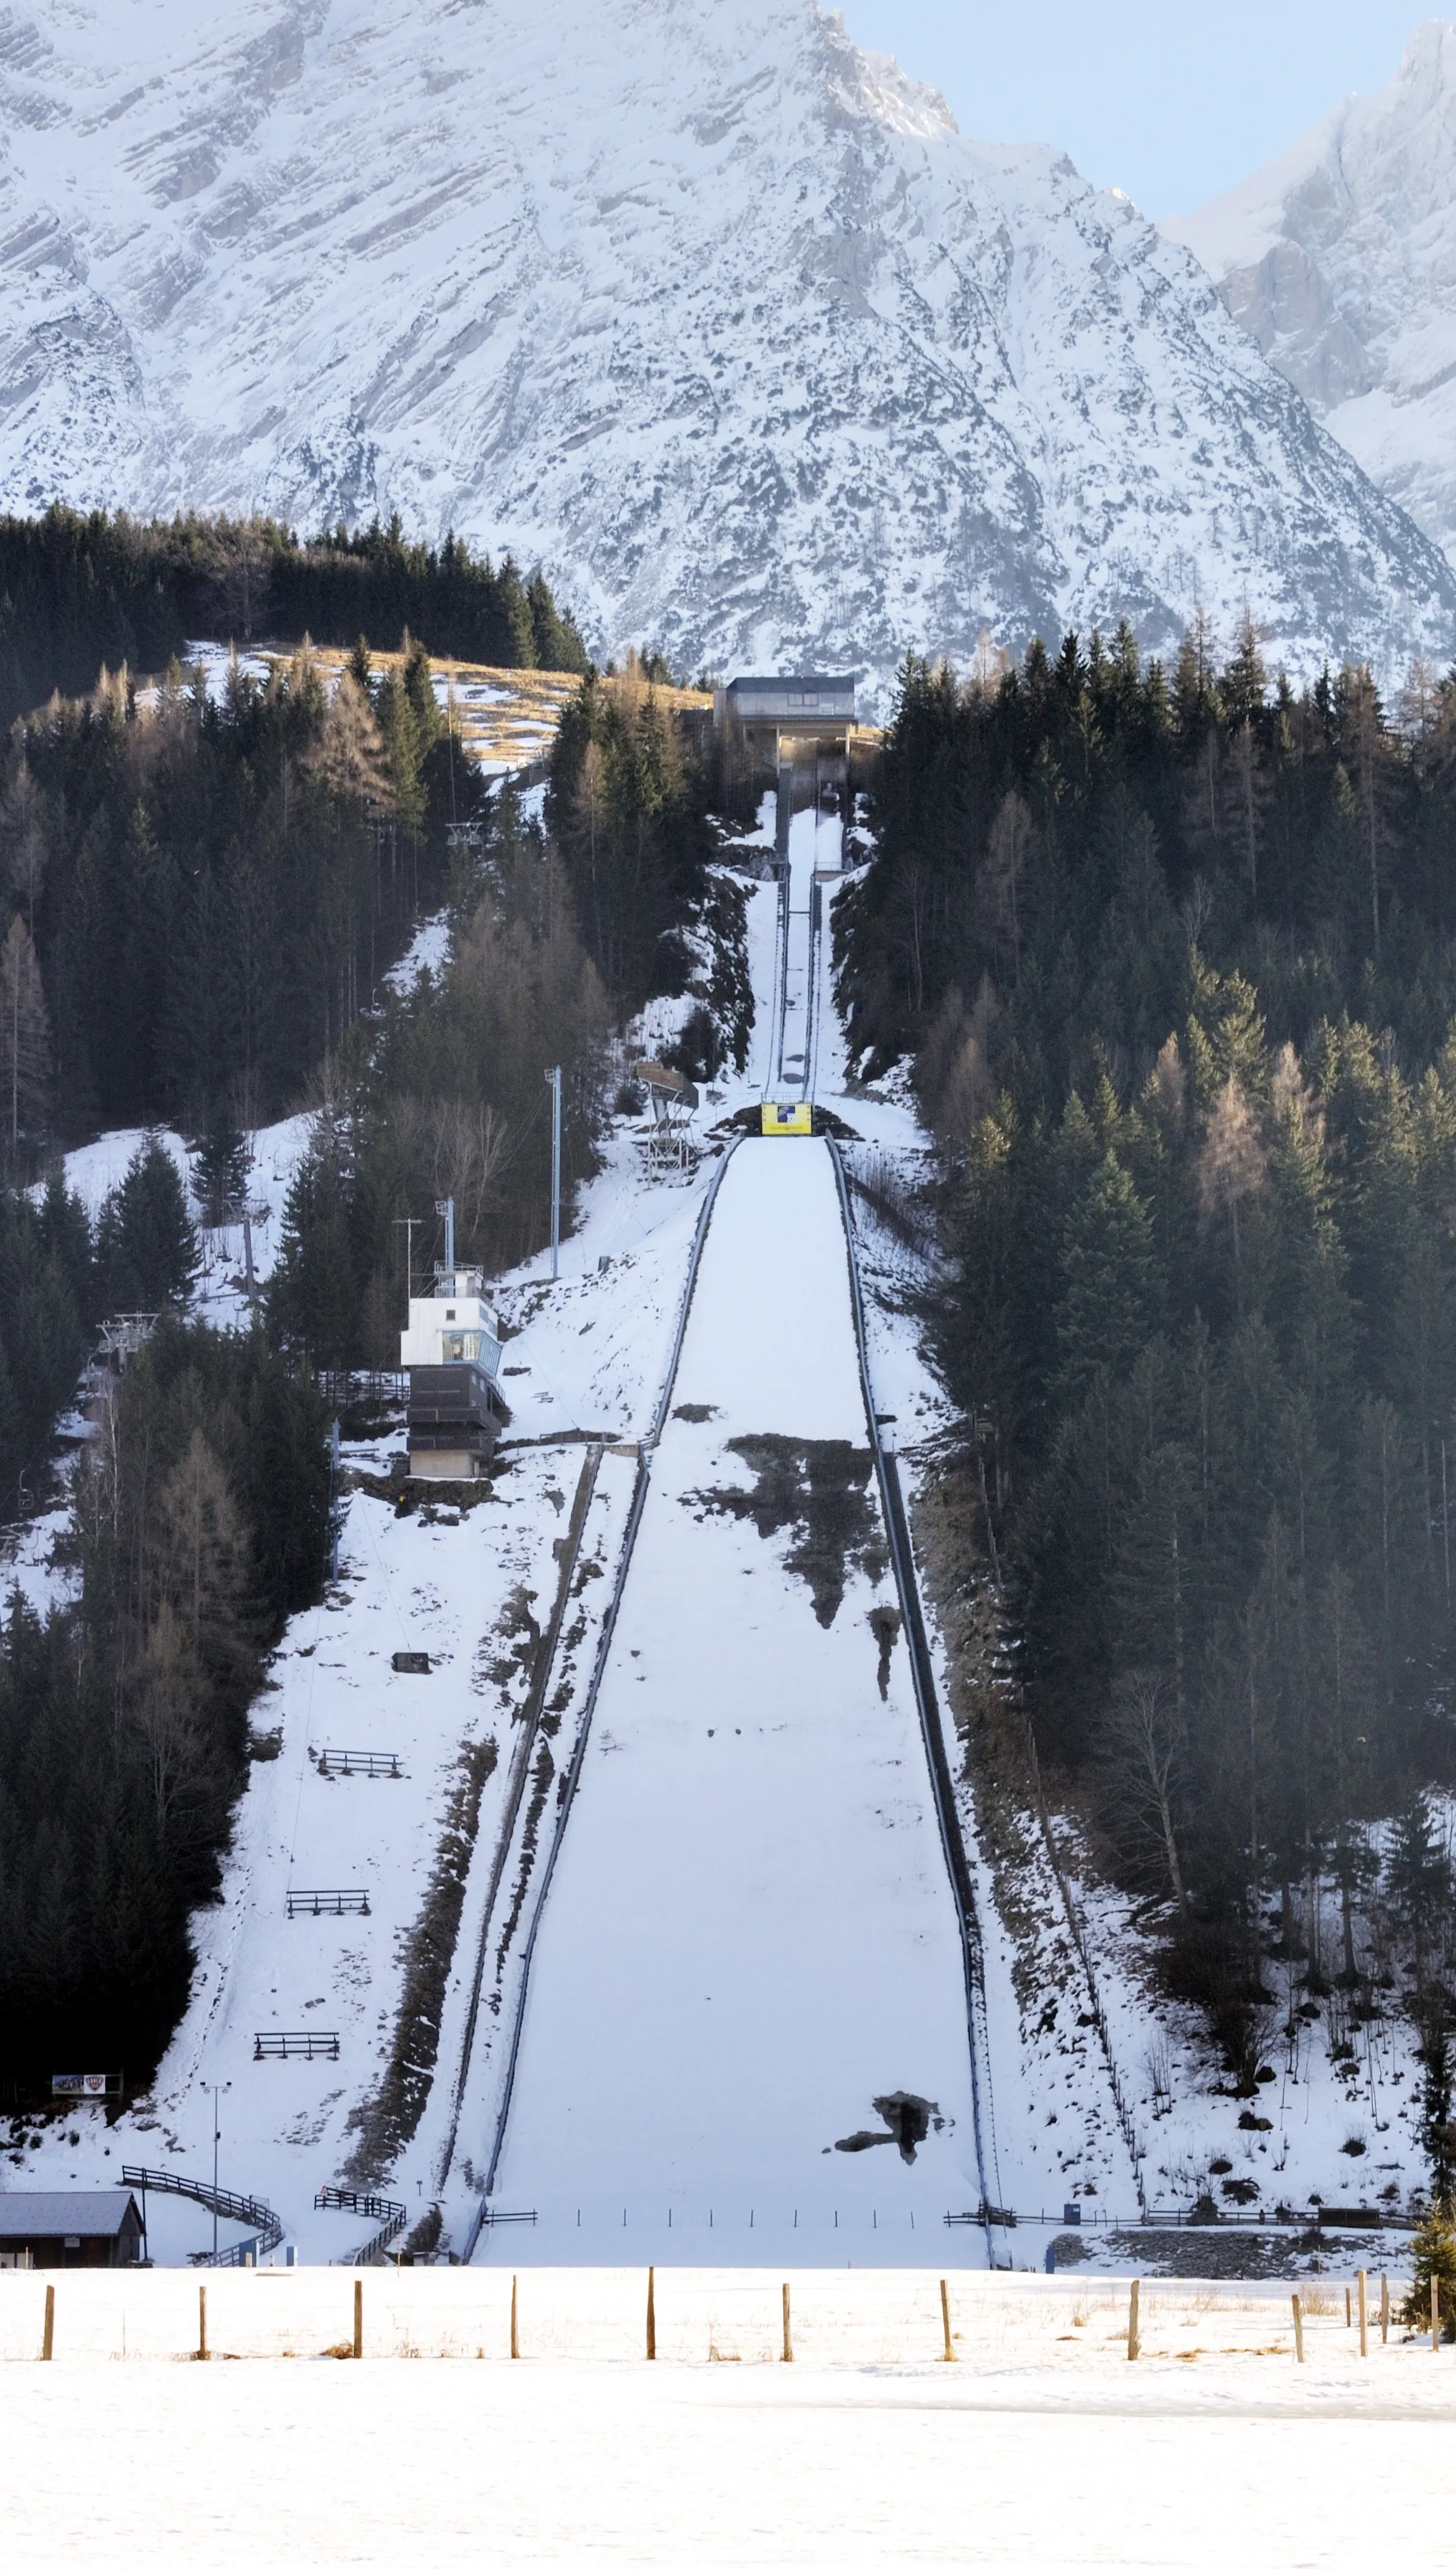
1143, 1752
164, 1714
1231, 1167
998, 888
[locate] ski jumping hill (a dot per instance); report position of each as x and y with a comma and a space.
715, 316
679, 1913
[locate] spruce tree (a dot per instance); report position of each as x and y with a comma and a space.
1433, 2259
25, 1041
13, 1455
65, 1232
314, 1297
1109, 1299
220, 1166
147, 1248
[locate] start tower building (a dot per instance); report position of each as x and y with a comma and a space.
798, 731
791, 720
452, 1353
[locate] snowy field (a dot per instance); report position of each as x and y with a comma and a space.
1040, 2448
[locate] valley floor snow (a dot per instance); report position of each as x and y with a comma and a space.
1041, 2447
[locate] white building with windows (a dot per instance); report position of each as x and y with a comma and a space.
452, 1353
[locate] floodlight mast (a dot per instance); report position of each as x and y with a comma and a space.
446, 1205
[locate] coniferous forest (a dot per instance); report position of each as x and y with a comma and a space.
201, 1523
79, 594
204, 897
1173, 959
205, 894
560, 935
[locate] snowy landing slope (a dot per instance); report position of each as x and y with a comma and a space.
751, 1936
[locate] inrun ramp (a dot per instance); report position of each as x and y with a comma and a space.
750, 1951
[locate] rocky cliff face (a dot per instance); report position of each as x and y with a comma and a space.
713, 314
1340, 259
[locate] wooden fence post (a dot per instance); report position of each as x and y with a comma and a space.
515, 2340
788, 2337
1134, 2342
651, 2316
201, 2324
949, 2353
48, 2334
1364, 2317
358, 2319
1435, 2314
1347, 2305
1299, 2328
1384, 2309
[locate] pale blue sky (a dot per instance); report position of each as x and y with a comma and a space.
1173, 103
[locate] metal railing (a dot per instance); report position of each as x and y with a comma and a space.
295, 2046
599, 1669
259, 2217
381, 2208
526, 1731
1354, 2218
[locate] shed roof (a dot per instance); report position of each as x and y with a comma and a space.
64, 2216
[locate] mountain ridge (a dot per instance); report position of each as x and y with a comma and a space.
714, 315
1338, 259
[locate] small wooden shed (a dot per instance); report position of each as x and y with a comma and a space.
69, 2229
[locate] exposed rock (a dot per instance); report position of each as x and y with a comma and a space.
713, 314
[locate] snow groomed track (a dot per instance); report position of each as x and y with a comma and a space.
746, 2019
796, 1000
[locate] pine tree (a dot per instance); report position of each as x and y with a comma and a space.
419, 687
1438, 2135
44, 1341
518, 629
1433, 2259
147, 1248
200, 1562
13, 1457
65, 1234
999, 885
1109, 1300
220, 1167
314, 1297
25, 835
558, 644
1417, 1875
25, 1040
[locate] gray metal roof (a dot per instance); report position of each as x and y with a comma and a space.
62, 2216
796, 679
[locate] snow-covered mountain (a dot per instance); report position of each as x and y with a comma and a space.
714, 314
1341, 259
